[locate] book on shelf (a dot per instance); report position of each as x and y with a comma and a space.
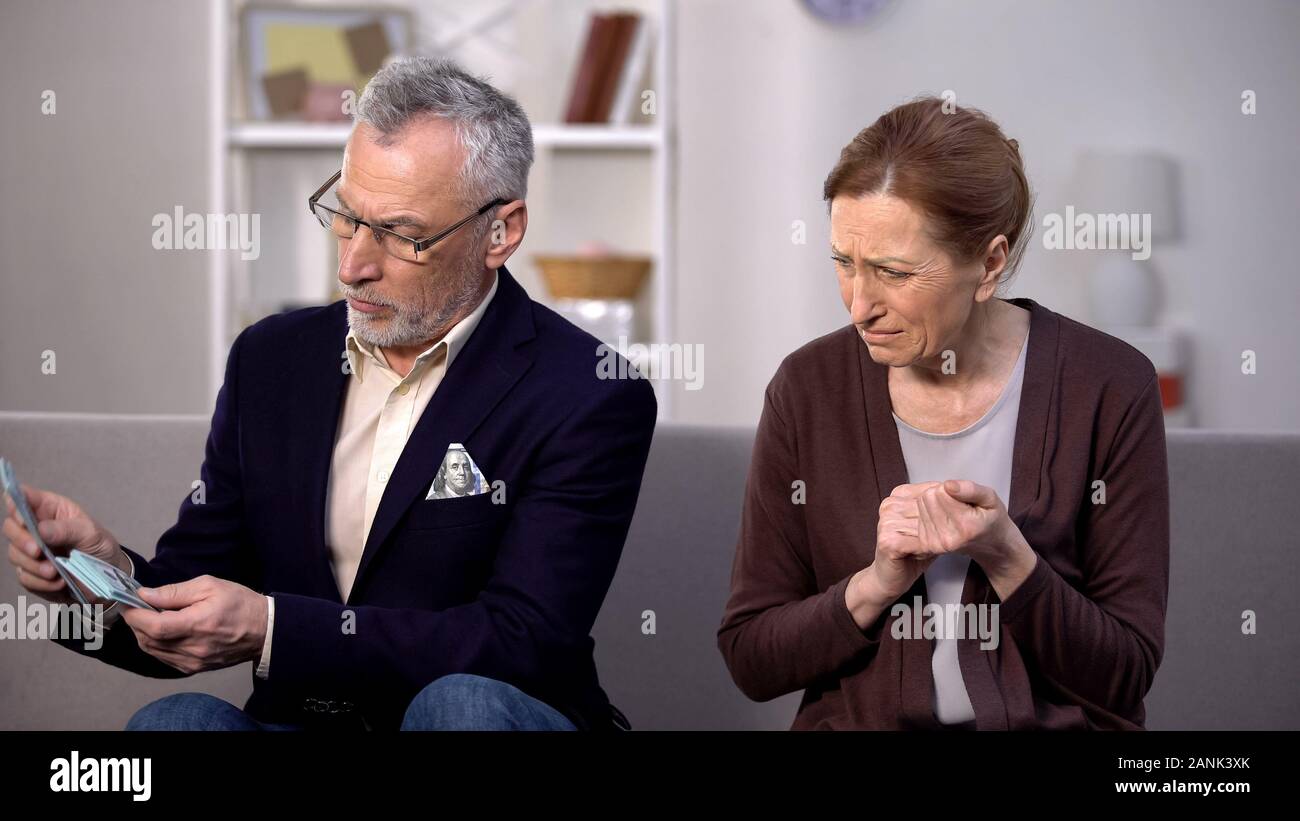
611, 66
628, 97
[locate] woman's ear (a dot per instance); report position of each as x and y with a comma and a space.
507, 231
995, 262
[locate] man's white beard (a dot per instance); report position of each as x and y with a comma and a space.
405, 324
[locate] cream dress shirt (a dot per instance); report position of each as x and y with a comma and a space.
379, 413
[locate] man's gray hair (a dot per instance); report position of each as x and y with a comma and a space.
492, 127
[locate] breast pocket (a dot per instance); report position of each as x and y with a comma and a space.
463, 511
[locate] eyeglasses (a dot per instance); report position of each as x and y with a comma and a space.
344, 226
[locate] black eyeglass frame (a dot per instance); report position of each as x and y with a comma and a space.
313, 202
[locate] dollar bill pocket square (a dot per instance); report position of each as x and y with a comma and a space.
457, 476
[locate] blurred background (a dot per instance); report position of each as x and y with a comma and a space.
681, 149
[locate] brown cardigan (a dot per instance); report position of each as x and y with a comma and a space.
1080, 639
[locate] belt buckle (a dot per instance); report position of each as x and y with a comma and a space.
327, 706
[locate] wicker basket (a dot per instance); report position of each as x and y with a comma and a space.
593, 277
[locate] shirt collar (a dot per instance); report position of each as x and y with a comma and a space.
359, 351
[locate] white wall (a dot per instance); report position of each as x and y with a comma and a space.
767, 97
78, 274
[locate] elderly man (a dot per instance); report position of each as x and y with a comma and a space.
319, 550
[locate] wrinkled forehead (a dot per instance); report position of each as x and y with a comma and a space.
880, 226
420, 164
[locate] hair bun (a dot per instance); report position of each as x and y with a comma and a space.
1015, 146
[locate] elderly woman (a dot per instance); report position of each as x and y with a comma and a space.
957, 513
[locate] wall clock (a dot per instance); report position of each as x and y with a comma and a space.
845, 12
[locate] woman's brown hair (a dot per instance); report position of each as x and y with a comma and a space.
956, 167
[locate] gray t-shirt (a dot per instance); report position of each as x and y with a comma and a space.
982, 453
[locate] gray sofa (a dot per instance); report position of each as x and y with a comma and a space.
1236, 547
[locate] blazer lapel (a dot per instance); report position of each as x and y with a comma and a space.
484, 371
319, 403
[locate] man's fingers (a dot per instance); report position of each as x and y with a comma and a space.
163, 654
177, 596
73, 532
34, 498
54, 532
14, 531
36, 584
31, 561
157, 627
44, 504
25, 561
166, 626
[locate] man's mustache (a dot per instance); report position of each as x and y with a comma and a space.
365, 298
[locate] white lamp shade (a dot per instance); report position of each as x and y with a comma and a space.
1113, 182
1124, 292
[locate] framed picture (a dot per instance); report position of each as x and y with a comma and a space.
300, 62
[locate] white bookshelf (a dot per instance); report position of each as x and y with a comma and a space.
236, 144
297, 136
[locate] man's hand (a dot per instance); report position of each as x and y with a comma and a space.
206, 624
64, 527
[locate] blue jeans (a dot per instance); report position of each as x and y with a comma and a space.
455, 702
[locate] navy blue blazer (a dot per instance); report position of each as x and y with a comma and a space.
463, 585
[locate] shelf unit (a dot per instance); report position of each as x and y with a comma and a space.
232, 142
301, 136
